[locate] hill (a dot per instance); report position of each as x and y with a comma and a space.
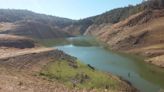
141, 33
34, 25
113, 16
13, 15
109, 17
30, 24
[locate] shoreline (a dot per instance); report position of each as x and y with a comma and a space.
40, 55
148, 57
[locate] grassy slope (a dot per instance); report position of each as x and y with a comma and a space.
80, 77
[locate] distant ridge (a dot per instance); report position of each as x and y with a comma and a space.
33, 25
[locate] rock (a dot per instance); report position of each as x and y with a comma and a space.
80, 78
20, 83
73, 64
158, 61
91, 67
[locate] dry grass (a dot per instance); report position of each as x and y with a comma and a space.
159, 61
154, 47
7, 26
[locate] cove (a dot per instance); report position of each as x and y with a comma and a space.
145, 77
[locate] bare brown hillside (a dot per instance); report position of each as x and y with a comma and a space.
33, 25
32, 29
142, 33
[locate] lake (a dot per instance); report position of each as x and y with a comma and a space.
145, 77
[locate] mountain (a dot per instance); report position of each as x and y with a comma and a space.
141, 33
109, 17
113, 16
12, 15
30, 24
27, 23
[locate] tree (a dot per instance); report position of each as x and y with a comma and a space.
155, 4
161, 3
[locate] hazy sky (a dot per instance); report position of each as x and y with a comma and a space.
74, 9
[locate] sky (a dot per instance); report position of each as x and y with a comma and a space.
73, 9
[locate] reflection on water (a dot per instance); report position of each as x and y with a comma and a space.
145, 77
